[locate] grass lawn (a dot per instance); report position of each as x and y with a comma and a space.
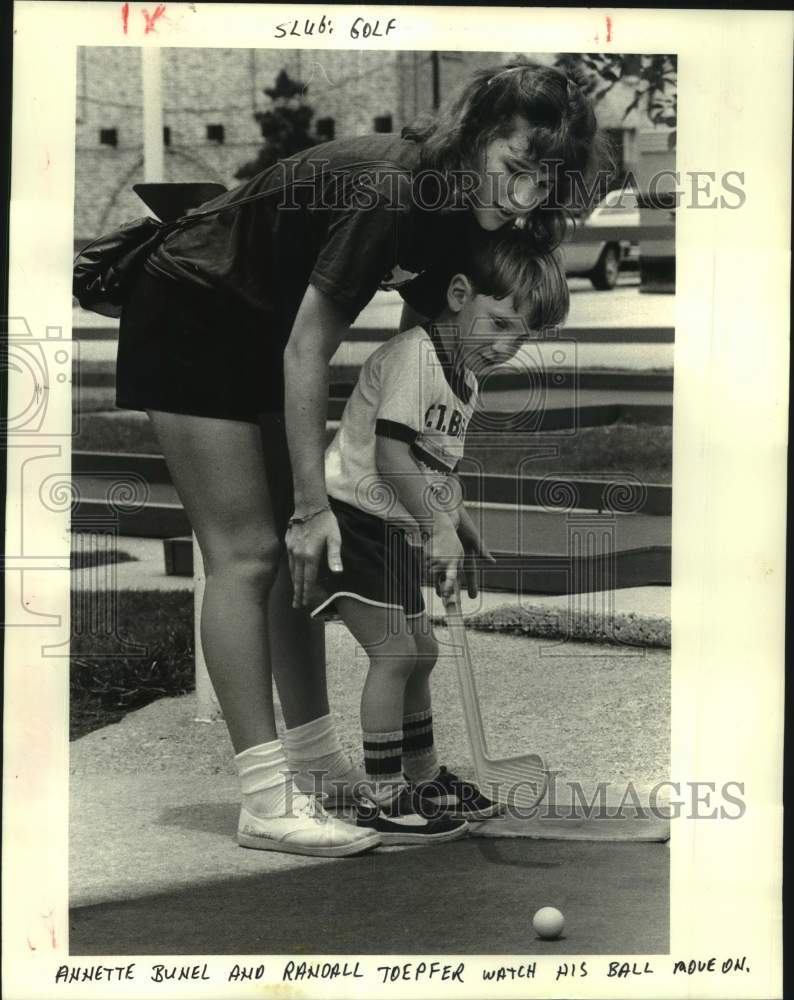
82, 559
103, 688
130, 432
643, 450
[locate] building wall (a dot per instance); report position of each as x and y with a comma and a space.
202, 87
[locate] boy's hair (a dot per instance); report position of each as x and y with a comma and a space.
564, 134
499, 265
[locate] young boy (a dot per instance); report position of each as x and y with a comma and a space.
390, 481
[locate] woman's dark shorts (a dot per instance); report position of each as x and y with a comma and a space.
379, 565
185, 349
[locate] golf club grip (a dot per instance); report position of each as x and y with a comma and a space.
465, 670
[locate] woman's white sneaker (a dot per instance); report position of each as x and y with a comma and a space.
308, 830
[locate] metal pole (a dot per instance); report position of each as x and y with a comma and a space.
153, 155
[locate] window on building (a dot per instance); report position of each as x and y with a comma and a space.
108, 137
326, 128
166, 135
382, 123
216, 133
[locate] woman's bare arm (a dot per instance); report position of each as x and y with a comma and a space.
316, 334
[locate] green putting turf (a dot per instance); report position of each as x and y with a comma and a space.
470, 897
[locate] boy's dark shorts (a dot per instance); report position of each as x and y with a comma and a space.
380, 566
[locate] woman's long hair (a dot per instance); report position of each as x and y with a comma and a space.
564, 135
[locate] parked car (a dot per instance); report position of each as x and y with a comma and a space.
600, 261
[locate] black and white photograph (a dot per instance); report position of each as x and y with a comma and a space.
388, 482
529, 393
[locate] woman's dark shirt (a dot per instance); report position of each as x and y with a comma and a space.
343, 216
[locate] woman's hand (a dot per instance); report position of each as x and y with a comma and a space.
306, 545
474, 549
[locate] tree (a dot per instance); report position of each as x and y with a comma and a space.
286, 126
653, 79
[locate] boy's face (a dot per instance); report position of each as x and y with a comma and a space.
489, 331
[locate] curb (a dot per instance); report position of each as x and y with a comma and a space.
608, 817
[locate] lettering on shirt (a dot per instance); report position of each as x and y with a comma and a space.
452, 424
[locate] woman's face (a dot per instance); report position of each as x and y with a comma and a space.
511, 184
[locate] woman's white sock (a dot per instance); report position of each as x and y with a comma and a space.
314, 748
266, 781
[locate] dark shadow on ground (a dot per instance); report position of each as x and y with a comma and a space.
470, 897
204, 817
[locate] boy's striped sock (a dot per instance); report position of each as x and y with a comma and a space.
419, 761
383, 764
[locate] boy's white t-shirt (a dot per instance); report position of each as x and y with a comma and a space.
407, 390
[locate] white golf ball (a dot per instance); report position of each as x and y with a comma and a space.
548, 923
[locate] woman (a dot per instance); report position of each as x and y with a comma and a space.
236, 306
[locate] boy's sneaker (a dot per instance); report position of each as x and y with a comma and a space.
449, 795
399, 822
309, 830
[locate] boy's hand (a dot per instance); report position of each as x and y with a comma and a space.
445, 556
474, 549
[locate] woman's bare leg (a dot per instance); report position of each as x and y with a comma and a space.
297, 655
218, 471
297, 644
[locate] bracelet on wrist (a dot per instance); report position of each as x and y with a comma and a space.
303, 518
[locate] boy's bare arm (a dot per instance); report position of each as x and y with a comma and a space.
473, 546
466, 526
411, 484
413, 488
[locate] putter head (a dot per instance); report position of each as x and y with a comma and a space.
517, 782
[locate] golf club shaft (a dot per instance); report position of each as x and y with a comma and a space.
465, 670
